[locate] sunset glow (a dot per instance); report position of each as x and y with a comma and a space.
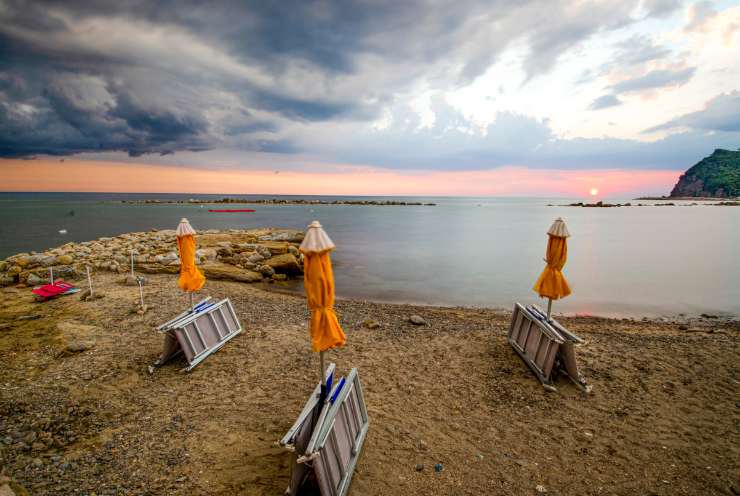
51, 175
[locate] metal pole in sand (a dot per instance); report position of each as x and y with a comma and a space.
549, 308
141, 291
51, 275
89, 279
132, 263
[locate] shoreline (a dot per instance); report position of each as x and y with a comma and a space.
276, 201
80, 412
265, 256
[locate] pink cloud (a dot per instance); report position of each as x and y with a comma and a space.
77, 175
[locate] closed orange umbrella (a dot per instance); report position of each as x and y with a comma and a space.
551, 283
191, 278
318, 280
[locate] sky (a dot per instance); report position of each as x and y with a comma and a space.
371, 97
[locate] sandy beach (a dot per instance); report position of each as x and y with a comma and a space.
80, 414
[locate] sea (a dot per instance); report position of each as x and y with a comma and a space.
473, 252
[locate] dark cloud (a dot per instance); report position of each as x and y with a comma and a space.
605, 101
661, 8
658, 78
721, 113
156, 77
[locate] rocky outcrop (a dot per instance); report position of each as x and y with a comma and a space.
237, 255
716, 176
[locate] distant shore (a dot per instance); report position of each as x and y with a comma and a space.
687, 198
601, 204
283, 201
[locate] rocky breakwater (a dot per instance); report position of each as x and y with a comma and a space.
239, 255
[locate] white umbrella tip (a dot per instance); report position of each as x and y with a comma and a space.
316, 239
558, 228
184, 228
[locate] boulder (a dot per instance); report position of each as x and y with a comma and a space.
15, 270
230, 273
156, 268
65, 259
255, 257
204, 254
285, 264
274, 248
7, 280
266, 270
291, 236
35, 280
4, 266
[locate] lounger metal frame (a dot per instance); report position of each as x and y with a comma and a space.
336, 439
544, 345
202, 332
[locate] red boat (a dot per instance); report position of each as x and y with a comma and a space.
231, 210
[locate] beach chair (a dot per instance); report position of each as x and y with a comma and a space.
198, 333
545, 345
327, 438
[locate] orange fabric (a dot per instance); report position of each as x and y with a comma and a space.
318, 279
552, 283
191, 278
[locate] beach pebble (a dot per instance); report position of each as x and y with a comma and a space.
419, 467
371, 324
77, 347
541, 489
417, 320
438, 467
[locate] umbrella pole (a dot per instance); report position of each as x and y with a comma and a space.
192, 308
51, 275
323, 378
141, 291
549, 308
89, 279
132, 264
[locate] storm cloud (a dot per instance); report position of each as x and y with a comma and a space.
167, 76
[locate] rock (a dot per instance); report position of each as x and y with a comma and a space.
683, 327
7, 280
4, 266
130, 280
255, 257
15, 270
371, 324
291, 236
77, 347
49, 260
65, 259
34, 316
266, 270
419, 467
438, 467
156, 268
417, 320
206, 254
285, 264
279, 277
293, 250
540, 489
85, 294
35, 280
230, 273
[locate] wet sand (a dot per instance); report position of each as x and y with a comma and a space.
80, 414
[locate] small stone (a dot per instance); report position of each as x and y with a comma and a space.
419, 467
683, 327
77, 347
417, 320
541, 489
371, 324
438, 467
37, 462
34, 316
65, 259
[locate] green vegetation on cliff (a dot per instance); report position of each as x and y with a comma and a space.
716, 176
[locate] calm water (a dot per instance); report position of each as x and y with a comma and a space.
465, 251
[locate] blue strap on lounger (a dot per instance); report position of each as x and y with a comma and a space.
338, 390
330, 381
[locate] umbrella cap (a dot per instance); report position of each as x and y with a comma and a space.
558, 229
184, 228
316, 240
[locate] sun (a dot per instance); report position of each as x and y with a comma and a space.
593, 191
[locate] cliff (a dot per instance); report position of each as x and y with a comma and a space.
716, 176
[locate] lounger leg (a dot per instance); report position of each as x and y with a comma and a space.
568, 354
170, 348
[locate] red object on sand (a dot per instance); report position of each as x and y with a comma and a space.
51, 290
232, 210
